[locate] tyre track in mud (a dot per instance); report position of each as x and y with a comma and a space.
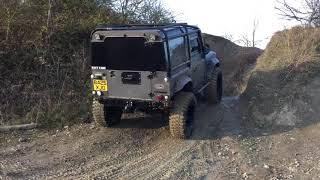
170, 156
174, 155
88, 151
145, 163
127, 153
158, 162
109, 164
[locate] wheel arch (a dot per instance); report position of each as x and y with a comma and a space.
184, 84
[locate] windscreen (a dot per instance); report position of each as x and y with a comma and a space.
128, 53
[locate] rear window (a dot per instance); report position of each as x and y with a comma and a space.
128, 53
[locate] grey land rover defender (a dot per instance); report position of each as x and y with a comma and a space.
152, 68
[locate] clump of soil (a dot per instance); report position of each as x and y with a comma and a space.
237, 62
284, 88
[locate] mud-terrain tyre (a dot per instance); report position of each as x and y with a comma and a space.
214, 90
181, 115
105, 116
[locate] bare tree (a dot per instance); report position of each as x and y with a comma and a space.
254, 31
49, 13
142, 11
228, 36
10, 9
244, 40
250, 40
308, 14
127, 9
154, 12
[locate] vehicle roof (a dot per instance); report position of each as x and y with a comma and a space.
168, 30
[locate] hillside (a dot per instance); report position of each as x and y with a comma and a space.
237, 62
284, 89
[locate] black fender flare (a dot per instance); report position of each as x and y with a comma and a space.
181, 83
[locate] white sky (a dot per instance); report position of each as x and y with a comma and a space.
230, 17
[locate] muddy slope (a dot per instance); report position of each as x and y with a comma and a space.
237, 62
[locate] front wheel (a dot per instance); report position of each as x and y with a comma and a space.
182, 115
214, 90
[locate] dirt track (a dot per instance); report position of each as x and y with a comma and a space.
137, 148
141, 148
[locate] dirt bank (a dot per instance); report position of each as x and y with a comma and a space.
237, 62
284, 88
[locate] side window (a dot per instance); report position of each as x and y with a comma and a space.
195, 44
178, 51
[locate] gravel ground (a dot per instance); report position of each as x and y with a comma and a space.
222, 147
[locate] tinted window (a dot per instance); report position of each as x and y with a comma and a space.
195, 45
130, 53
178, 51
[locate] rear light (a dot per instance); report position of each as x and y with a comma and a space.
160, 98
99, 93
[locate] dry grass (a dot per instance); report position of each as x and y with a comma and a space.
290, 48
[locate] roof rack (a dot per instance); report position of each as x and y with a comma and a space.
144, 26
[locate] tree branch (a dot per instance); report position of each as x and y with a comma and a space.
18, 127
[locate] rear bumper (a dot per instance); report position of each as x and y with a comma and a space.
141, 104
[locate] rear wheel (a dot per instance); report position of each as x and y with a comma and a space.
105, 116
182, 115
215, 89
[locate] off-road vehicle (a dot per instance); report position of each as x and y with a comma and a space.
152, 68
